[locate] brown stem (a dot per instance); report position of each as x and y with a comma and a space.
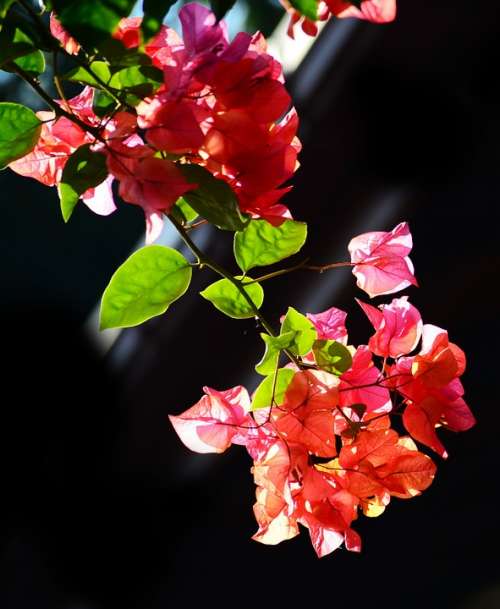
302, 266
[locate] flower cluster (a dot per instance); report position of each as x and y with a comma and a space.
221, 105
377, 11
324, 449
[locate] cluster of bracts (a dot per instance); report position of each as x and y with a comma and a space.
222, 106
326, 451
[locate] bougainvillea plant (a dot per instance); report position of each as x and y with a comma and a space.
195, 128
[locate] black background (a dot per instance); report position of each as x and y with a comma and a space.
103, 505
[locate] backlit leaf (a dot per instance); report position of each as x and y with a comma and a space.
144, 286
261, 243
19, 132
274, 344
263, 396
305, 332
226, 297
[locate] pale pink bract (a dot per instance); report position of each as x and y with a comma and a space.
381, 262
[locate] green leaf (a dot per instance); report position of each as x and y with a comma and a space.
308, 8
144, 286
261, 243
305, 331
34, 63
14, 43
263, 396
154, 14
226, 297
214, 200
183, 212
139, 80
84, 169
19, 132
103, 104
274, 345
221, 7
332, 356
4, 7
79, 74
92, 22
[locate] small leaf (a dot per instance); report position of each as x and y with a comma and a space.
274, 345
263, 396
226, 297
14, 43
79, 74
332, 356
261, 243
221, 7
18, 43
144, 286
91, 22
308, 8
103, 104
305, 331
4, 7
19, 132
34, 63
214, 200
183, 212
83, 170
139, 80
154, 13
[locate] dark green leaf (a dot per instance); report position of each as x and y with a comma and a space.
14, 43
33, 64
17, 45
221, 7
144, 286
92, 22
120, 57
332, 356
154, 13
308, 8
263, 396
103, 104
19, 132
214, 200
305, 332
84, 169
274, 345
139, 80
261, 243
226, 297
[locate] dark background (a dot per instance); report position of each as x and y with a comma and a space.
103, 505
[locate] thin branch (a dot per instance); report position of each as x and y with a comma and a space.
302, 266
204, 260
